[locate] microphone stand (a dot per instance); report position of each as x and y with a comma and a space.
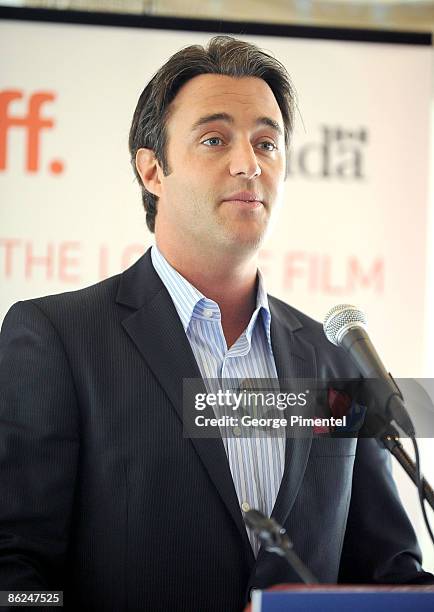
377, 424
393, 444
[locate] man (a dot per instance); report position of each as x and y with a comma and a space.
102, 495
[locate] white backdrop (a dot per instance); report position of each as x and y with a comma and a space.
353, 226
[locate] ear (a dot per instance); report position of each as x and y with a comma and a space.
150, 171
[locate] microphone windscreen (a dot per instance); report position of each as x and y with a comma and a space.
339, 319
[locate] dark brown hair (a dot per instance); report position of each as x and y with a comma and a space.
223, 55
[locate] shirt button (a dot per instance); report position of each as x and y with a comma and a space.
207, 312
236, 431
245, 507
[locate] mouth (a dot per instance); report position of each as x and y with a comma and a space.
247, 199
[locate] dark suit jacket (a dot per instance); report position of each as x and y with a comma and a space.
103, 497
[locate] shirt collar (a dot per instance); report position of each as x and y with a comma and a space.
190, 302
184, 295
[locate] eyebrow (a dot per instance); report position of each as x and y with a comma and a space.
229, 119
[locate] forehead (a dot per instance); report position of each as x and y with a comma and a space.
244, 98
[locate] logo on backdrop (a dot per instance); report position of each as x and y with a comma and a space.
338, 153
31, 123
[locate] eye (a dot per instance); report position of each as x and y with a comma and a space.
213, 141
267, 145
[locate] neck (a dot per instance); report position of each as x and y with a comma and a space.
227, 280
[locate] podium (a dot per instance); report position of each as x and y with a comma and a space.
334, 598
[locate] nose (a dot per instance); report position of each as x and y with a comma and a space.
243, 161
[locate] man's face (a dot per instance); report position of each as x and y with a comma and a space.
226, 153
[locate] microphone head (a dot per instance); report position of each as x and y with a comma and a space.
341, 318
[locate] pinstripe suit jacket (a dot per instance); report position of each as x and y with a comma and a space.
103, 497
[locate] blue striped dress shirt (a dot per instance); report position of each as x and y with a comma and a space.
256, 463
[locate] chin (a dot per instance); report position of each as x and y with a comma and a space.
247, 242
244, 236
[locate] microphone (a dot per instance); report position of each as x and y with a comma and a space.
267, 530
345, 326
275, 539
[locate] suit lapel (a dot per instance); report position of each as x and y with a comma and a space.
157, 332
294, 359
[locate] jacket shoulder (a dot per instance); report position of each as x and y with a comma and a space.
297, 319
331, 359
72, 307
